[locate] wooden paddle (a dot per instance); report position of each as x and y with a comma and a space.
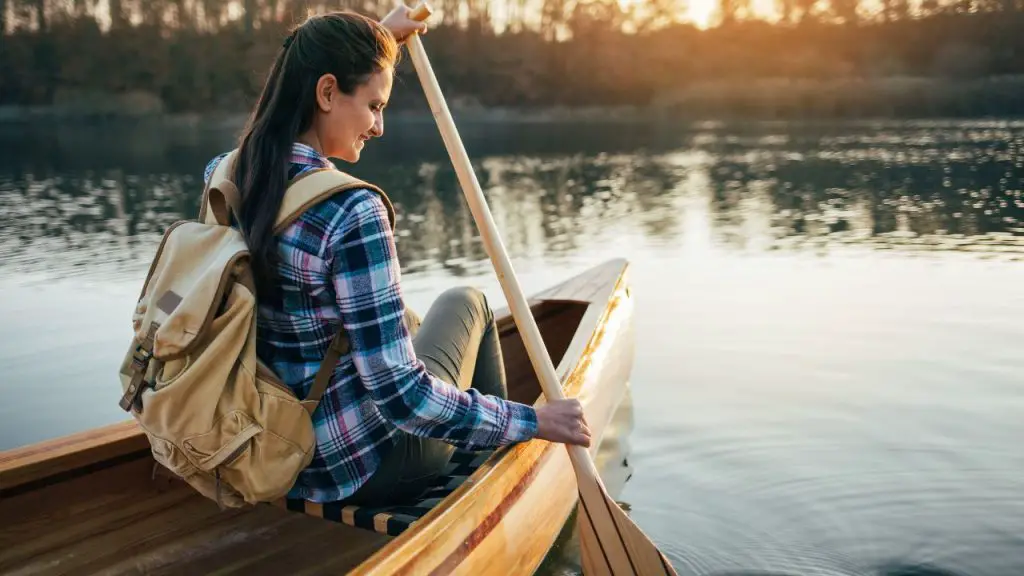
610, 543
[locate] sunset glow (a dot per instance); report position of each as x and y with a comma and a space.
702, 13
706, 13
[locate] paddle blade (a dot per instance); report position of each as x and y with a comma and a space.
610, 543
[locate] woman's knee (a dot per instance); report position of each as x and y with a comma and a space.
471, 298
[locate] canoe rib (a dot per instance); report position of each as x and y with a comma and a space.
90, 503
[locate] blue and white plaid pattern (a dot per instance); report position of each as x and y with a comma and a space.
338, 263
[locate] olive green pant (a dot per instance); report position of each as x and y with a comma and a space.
458, 343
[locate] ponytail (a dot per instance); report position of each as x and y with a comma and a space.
262, 171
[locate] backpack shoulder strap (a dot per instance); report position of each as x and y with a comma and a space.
338, 347
304, 192
214, 207
314, 186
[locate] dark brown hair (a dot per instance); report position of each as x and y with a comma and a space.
350, 46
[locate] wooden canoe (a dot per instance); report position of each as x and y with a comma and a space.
94, 502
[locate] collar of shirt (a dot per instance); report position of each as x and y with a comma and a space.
307, 157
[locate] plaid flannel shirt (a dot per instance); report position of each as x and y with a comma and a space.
337, 263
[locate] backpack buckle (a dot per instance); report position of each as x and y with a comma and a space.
141, 358
132, 395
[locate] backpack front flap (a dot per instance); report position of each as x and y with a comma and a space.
195, 268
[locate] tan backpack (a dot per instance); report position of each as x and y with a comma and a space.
214, 414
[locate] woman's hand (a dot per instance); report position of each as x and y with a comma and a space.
401, 25
563, 421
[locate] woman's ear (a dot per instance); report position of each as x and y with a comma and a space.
326, 92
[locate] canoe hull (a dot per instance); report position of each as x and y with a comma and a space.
94, 502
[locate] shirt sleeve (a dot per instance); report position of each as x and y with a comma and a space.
366, 275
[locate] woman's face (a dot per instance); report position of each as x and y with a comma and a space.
344, 123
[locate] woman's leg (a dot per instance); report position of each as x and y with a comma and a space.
458, 343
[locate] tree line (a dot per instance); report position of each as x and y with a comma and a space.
211, 55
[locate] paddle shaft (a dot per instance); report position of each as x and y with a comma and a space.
610, 543
521, 312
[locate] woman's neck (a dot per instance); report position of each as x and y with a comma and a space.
311, 139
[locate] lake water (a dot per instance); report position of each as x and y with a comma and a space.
829, 377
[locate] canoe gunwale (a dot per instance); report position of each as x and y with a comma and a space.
60, 459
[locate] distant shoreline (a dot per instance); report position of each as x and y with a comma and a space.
28, 114
897, 98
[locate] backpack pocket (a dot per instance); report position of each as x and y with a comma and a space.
256, 463
224, 443
167, 455
177, 462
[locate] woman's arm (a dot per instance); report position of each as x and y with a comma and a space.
366, 275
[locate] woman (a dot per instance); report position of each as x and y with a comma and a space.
397, 405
